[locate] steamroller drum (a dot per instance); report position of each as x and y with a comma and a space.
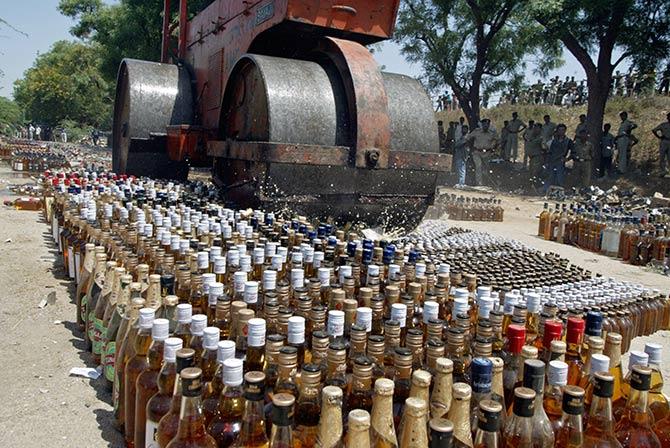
149, 97
271, 99
413, 125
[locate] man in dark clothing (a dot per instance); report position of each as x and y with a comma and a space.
607, 145
559, 147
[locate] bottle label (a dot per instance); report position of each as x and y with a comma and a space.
70, 262
151, 435
108, 360
98, 332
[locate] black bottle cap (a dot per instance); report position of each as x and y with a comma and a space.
185, 358
604, 385
640, 378
441, 433
282, 409
524, 402
481, 375
573, 400
191, 382
594, 323
254, 386
490, 413
533, 375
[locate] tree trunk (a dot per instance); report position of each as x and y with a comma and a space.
595, 110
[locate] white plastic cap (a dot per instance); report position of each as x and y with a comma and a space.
198, 324
296, 330
638, 358
170, 348
269, 280
251, 292
225, 350
599, 363
210, 338
399, 313
533, 302
147, 317
256, 332
239, 279
233, 372
160, 329
215, 291
219, 265
297, 277
364, 318
324, 276
335, 323
558, 373
184, 311
655, 352
430, 310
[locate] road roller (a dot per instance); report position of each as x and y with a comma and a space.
285, 102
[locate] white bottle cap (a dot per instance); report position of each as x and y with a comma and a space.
297, 278
256, 332
460, 307
233, 372
214, 252
335, 323
233, 257
364, 318
599, 363
345, 271
251, 292
638, 358
461, 293
430, 310
394, 270
324, 276
296, 257
225, 350
510, 300
277, 262
420, 269
147, 317
239, 279
174, 242
183, 246
558, 373
269, 280
166, 238
373, 270
270, 249
198, 324
296, 329
443, 269
483, 291
170, 348
485, 306
654, 351
210, 338
399, 313
318, 257
259, 255
207, 280
245, 263
533, 302
215, 291
160, 329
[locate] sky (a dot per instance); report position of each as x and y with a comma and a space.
44, 25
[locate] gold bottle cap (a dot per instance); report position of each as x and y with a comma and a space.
416, 407
392, 291
525, 393
126, 278
421, 378
414, 288
283, 400
384, 386
337, 294
441, 425
350, 305
288, 356
331, 395
244, 315
143, 267
191, 373
253, 377
498, 364
154, 278
558, 347
529, 352
490, 406
171, 300
444, 365
596, 343
236, 306
461, 391
365, 293
359, 420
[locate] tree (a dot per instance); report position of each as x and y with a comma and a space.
466, 43
10, 115
601, 34
66, 83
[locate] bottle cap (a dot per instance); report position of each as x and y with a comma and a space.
599, 363
269, 280
516, 335
203, 260
191, 382
184, 311
239, 280
251, 292
399, 313
185, 358
461, 391
210, 338
558, 373
637, 358
335, 323
359, 420
297, 277
533, 375
198, 324
170, 347
594, 323
219, 265
296, 330
416, 407
215, 291
654, 351
225, 350
160, 329
324, 276
524, 399
604, 385
384, 386
575, 330
552, 331
533, 302
207, 280
147, 317
444, 365
430, 310
364, 318
490, 415
640, 378
573, 400
481, 374
233, 372
256, 332
258, 255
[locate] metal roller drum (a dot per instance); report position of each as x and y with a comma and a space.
413, 125
271, 99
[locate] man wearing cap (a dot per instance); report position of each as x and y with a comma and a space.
624, 141
662, 133
484, 143
582, 155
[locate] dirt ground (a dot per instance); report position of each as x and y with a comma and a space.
44, 403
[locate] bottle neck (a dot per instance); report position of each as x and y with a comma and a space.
191, 420
601, 411
330, 425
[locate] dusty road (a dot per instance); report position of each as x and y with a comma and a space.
45, 405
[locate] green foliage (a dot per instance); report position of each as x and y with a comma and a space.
10, 116
75, 131
65, 83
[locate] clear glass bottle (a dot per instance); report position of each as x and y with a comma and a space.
488, 433
282, 421
634, 428
658, 403
518, 432
169, 423
253, 432
226, 423
308, 407
570, 432
557, 379
599, 431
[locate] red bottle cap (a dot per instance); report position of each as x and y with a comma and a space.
516, 335
575, 330
552, 331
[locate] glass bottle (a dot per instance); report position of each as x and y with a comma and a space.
497, 388
516, 337
159, 404
658, 403
169, 423
308, 407
634, 428
413, 431
212, 391
488, 427
253, 432
573, 355
282, 421
330, 423
198, 325
382, 431
183, 328
255, 345
662, 430
570, 433
358, 432
481, 375
441, 433
557, 379
533, 378
208, 360
288, 368
226, 422
440, 398
191, 431
402, 362
459, 414
518, 432
360, 394
599, 431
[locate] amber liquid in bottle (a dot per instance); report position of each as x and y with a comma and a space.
226, 423
308, 407
634, 428
169, 423
253, 433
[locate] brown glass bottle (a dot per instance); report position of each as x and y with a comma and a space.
634, 428
308, 407
599, 431
358, 433
226, 423
573, 356
570, 432
402, 363
169, 423
253, 433
212, 391
360, 395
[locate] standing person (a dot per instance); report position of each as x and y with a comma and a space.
606, 151
624, 141
559, 147
461, 150
514, 127
31, 131
504, 136
63, 135
582, 155
533, 137
450, 137
548, 129
442, 136
662, 133
95, 136
458, 132
525, 135
38, 132
581, 125
484, 143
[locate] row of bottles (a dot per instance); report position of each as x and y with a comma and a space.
261, 311
635, 240
36, 160
465, 208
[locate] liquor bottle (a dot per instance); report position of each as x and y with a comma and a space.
552, 332
197, 327
544, 216
191, 431
658, 403
440, 399
594, 347
516, 336
330, 423
402, 362
159, 404
308, 407
212, 391
636, 358
118, 318
282, 421
296, 336
413, 432
557, 379
147, 380
226, 422
253, 432
459, 414
518, 432
573, 356
288, 369
488, 433
169, 423
634, 428
208, 361
360, 394
599, 431
613, 351
183, 328
534, 304
382, 430
82, 287
255, 345
481, 375
570, 432
358, 433
136, 361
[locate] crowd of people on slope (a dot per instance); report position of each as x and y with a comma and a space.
36, 132
547, 148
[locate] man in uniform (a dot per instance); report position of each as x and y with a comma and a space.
606, 151
624, 141
535, 153
514, 127
526, 136
582, 155
461, 156
559, 147
662, 133
548, 129
484, 143
581, 125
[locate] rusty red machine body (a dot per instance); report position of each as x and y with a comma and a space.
286, 102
